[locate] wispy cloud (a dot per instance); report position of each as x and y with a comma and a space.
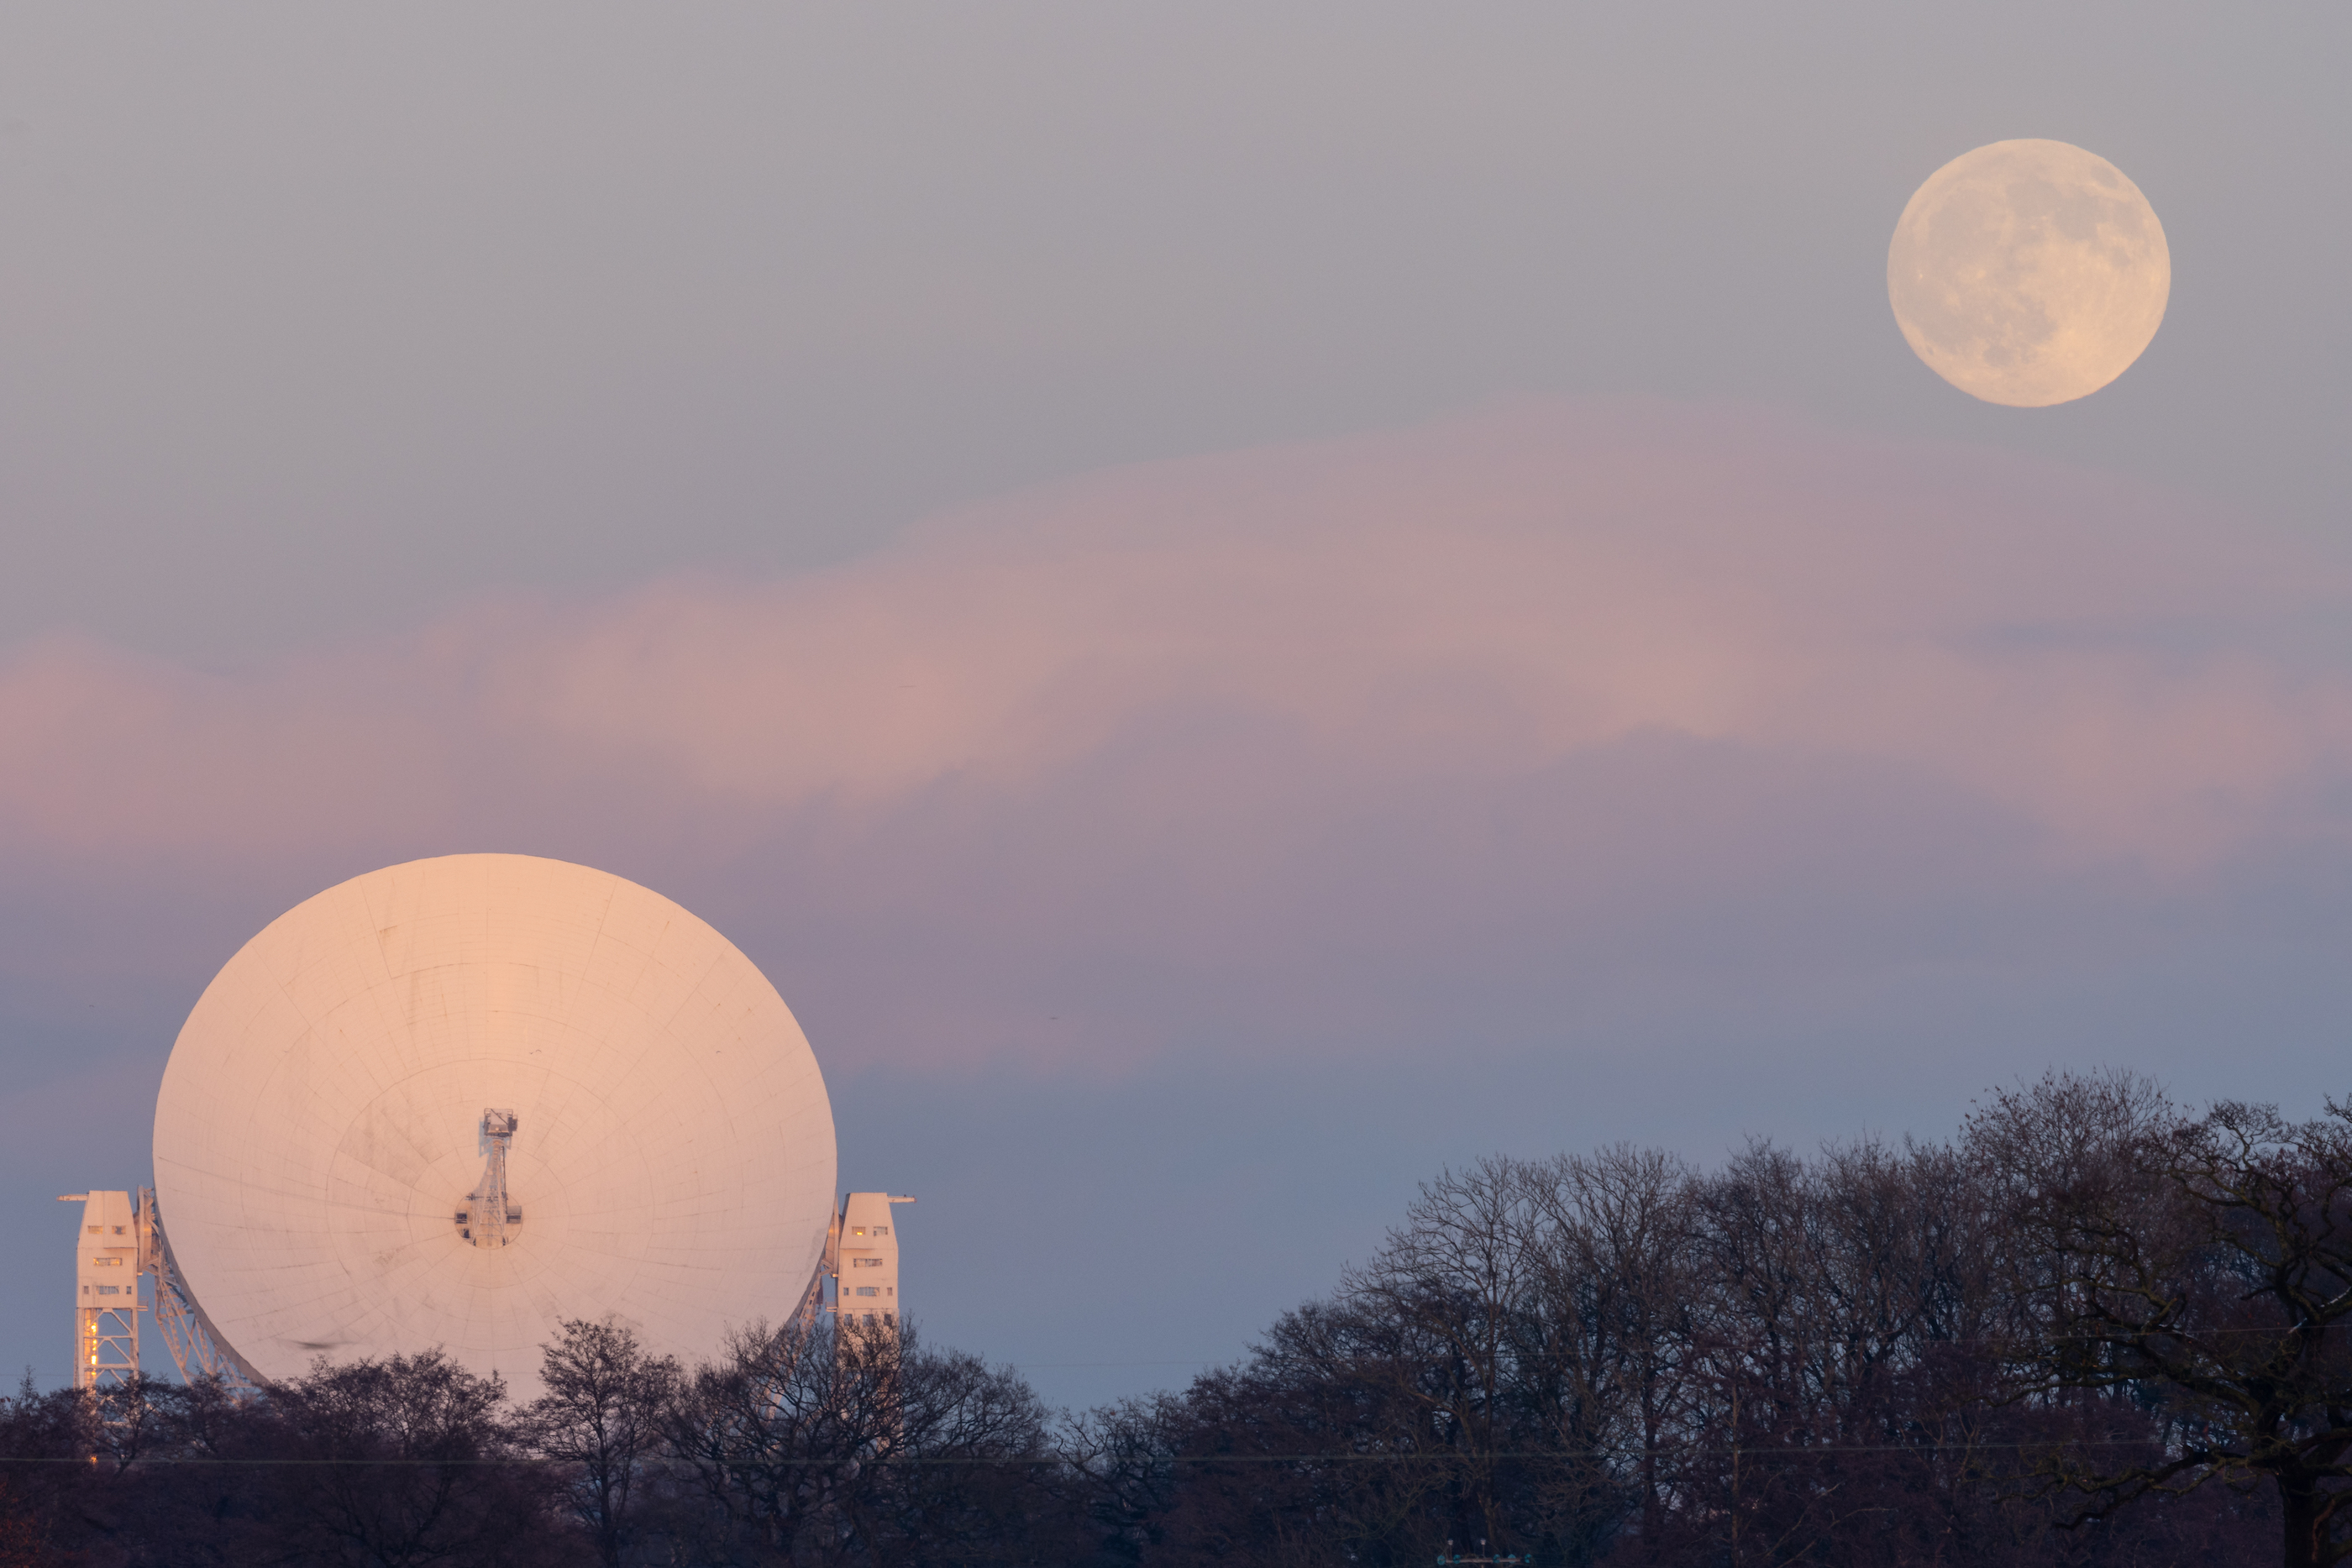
1290, 743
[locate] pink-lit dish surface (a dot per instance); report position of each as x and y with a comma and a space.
321, 1123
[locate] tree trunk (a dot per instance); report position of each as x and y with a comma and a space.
2299, 1504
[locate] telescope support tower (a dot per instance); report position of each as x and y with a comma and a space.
120, 1243
861, 1259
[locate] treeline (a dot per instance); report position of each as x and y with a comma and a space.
816, 1443
2093, 1329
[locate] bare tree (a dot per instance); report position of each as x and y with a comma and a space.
1616, 1359
42, 1435
401, 1462
842, 1441
778, 1430
1843, 1302
1611, 1365
601, 1420
1122, 1461
1463, 1274
2199, 1267
1322, 1448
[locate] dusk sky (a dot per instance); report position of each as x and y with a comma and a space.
1235, 602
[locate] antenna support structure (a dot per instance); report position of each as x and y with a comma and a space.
861, 1263
489, 1215
120, 1245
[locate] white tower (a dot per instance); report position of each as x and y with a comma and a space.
121, 1242
862, 1256
107, 1262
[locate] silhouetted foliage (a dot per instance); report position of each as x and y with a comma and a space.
601, 1424
1618, 1359
852, 1442
2093, 1331
391, 1464
2195, 1270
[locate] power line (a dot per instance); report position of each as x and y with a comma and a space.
918, 1460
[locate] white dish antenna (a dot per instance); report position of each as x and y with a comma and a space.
453, 1101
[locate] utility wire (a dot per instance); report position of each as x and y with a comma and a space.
916, 1461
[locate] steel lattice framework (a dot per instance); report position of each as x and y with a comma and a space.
196, 1350
123, 1269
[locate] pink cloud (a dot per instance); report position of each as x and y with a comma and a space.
1176, 732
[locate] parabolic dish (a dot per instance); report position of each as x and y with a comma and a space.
321, 1123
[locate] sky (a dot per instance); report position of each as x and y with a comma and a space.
1237, 603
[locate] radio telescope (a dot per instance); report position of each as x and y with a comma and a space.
454, 1102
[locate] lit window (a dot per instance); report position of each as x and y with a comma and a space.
858, 1231
868, 1291
96, 1228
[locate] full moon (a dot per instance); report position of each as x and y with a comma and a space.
2029, 273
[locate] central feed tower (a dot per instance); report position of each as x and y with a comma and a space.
454, 1101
